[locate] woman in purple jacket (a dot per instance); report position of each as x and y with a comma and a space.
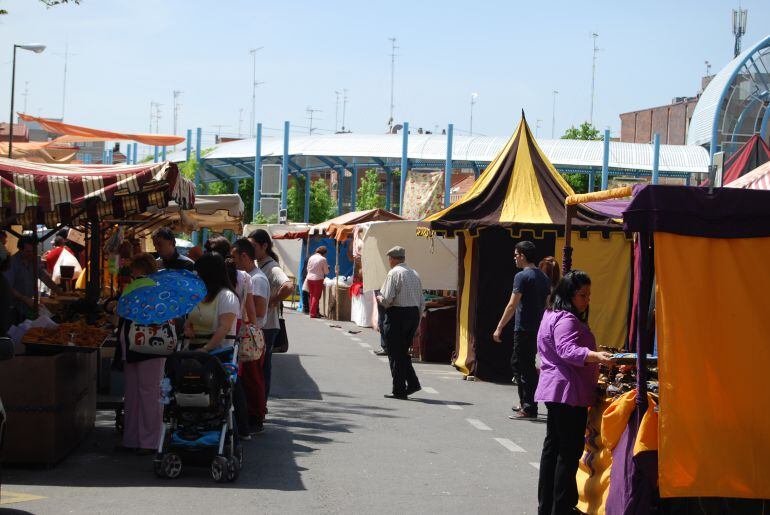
568, 374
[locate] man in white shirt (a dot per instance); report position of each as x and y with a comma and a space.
401, 296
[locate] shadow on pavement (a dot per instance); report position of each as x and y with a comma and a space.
297, 424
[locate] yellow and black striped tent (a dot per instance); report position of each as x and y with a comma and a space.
520, 196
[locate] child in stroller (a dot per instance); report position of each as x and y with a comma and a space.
199, 416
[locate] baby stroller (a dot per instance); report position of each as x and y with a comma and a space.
198, 418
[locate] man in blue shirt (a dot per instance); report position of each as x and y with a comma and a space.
531, 288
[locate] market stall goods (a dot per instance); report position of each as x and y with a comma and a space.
77, 334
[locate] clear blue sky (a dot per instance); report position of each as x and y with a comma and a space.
513, 54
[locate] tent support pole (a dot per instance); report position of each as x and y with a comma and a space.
566, 257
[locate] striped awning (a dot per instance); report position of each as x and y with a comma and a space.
36, 193
757, 179
520, 187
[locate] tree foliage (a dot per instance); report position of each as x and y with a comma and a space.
48, 3
586, 131
322, 205
368, 196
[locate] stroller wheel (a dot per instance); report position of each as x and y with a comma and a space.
219, 469
170, 466
233, 469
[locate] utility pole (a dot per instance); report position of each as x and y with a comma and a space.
739, 27
474, 96
537, 127
254, 84
177, 105
553, 119
311, 112
593, 78
344, 106
155, 115
392, 77
336, 110
25, 95
218, 134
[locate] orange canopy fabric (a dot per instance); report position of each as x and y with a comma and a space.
76, 133
39, 152
711, 318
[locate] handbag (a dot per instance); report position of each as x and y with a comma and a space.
281, 343
252, 345
156, 340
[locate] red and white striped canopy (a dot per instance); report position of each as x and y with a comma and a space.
49, 194
757, 179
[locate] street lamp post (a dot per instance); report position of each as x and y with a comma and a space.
37, 48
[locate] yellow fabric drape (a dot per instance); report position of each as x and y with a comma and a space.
463, 341
593, 475
712, 322
523, 201
608, 262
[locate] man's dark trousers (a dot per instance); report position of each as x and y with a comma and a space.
524, 370
399, 328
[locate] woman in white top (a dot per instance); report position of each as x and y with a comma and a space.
212, 323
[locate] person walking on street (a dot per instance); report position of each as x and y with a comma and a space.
280, 288
317, 268
531, 288
401, 296
567, 386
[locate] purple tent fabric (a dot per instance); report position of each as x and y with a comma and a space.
609, 208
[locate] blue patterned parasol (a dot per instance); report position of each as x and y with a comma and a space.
161, 297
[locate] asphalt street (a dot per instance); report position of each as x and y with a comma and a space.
332, 444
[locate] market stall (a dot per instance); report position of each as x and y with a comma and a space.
435, 260
683, 433
217, 213
520, 196
336, 234
66, 341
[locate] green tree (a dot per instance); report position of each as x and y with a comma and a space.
295, 199
586, 131
322, 205
368, 196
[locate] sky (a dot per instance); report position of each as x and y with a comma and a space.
513, 54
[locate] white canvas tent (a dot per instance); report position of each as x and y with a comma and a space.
434, 259
289, 251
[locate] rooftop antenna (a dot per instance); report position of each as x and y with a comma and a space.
66, 56
25, 94
392, 77
218, 127
344, 106
593, 77
336, 110
311, 113
739, 27
177, 105
474, 96
254, 85
157, 116
537, 126
708, 69
553, 119
240, 121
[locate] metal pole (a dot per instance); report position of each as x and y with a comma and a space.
257, 174
188, 150
655, 157
340, 188
13, 89
591, 181
404, 167
198, 138
354, 186
307, 197
136, 153
388, 188
448, 166
155, 155
285, 165
235, 183
163, 153
606, 160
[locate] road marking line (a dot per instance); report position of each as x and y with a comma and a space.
536, 465
478, 424
428, 389
364, 345
384, 360
508, 444
453, 406
14, 497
